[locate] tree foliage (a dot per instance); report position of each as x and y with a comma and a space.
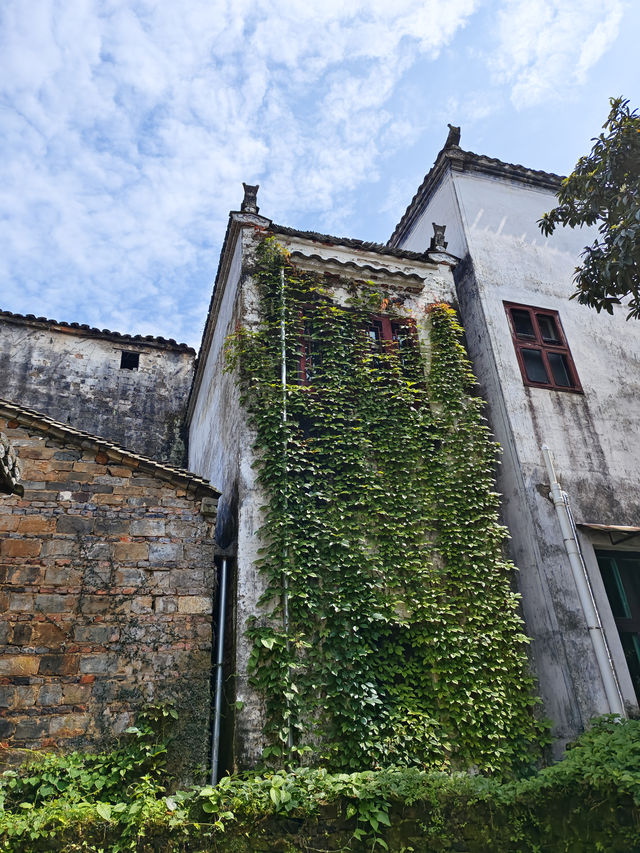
604, 189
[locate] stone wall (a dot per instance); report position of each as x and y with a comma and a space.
107, 580
74, 374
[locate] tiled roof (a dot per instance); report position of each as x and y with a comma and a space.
31, 419
91, 331
477, 162
364, 269
351, 243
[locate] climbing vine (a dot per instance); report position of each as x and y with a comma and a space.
391, 633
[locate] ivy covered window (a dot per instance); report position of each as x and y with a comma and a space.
382, 332
541, 348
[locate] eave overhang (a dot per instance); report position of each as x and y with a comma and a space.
18, 416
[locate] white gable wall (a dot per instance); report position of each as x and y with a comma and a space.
592, 435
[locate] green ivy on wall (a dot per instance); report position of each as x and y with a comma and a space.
391, 633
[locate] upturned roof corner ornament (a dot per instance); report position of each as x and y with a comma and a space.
453, 139
9, 469
250, 200
438, 243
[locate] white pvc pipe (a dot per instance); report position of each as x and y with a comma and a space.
585, 592
283, 377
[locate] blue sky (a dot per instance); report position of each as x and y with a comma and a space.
127, 127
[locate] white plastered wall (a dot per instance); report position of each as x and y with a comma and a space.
592, 435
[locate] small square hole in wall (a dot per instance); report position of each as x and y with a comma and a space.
129, 360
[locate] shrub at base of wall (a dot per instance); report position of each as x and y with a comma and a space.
118, 801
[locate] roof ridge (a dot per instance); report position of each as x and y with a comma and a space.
30, 417
169, 343
351, 242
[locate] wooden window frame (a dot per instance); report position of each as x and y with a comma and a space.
536, 342
389, 327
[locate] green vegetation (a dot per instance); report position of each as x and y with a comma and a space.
604, 190
400, 667
120, 801
390, 632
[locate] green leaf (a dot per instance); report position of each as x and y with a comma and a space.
104, 810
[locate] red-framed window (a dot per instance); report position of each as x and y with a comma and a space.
382, 333
541, 348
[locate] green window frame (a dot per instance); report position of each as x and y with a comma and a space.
620, 571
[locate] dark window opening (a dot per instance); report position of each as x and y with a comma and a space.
541, 348
548, 329
534, 366
376, 332
620, 572
129, 360
559, 369
522, 324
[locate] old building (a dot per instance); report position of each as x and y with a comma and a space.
110, 553
221, 441
129, 389
107, 582
553, 373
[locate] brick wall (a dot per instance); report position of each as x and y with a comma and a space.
106, 587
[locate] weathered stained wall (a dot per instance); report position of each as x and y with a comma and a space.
220, 449
74, 376
220, 440
107, 582
493, 223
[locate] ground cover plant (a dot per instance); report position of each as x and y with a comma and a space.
124, 800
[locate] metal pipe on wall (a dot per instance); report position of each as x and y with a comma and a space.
585, 592
283, 377
217, 708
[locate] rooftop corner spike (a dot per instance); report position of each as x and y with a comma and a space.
438, 243
453, 140
250, 200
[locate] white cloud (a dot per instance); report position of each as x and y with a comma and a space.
128, 127
545, 47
